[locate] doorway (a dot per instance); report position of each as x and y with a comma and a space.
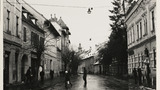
6, 67
24, 63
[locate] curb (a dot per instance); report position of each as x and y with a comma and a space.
145, 88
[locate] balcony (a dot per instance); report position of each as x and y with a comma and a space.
11, 39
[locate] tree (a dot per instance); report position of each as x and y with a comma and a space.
117, 45
105, 55
71, 60
67, 56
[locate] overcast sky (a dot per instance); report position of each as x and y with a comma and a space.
82, 25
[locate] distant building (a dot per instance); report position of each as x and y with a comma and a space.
64, 40
51, 58
87, 61
141, 36
99, 67
88, 64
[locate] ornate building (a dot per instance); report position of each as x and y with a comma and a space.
141, 35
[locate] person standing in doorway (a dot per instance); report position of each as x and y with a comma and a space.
148, 76
139, 76
85, 76
29, 76
135, 75
51, 74
42, 75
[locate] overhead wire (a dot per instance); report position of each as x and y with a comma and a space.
50, 5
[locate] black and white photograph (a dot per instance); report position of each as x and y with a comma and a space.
79, 44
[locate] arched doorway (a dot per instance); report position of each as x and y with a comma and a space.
24, 65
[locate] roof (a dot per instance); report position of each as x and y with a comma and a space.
62, 24
29, 21
52, 28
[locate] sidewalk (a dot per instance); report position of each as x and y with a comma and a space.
132, 85
142, 87
41, 86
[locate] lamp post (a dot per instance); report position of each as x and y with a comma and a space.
89, 10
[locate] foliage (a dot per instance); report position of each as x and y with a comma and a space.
71, 60
117, 44
118, 38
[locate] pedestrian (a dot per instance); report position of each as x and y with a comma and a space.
51, 74
148, 75
139, 76
85, 76
135, 75
67, 79
42, 75
29, 76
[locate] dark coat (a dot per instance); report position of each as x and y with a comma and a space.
67, 77
135, 72
42, 73
85, 73
29, 73
139, 72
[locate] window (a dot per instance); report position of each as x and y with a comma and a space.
137, 32
8, 19
154, 57
145, 27
24, 35
128, 37
152, 21
140, 29
34, 39
133, 33
17, 26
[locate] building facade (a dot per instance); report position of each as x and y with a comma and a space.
51, 57
24, 34
32, 37
141, 36
12, 41
65, 41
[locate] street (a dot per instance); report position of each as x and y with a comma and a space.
94, 82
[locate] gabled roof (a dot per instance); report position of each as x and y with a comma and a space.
62, 24
29, 21
52, 28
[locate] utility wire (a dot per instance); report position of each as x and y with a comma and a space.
59, 5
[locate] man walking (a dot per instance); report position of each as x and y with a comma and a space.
67, 79
85, 76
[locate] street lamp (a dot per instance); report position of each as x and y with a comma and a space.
89, 10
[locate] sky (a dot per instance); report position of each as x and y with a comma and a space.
82, 25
